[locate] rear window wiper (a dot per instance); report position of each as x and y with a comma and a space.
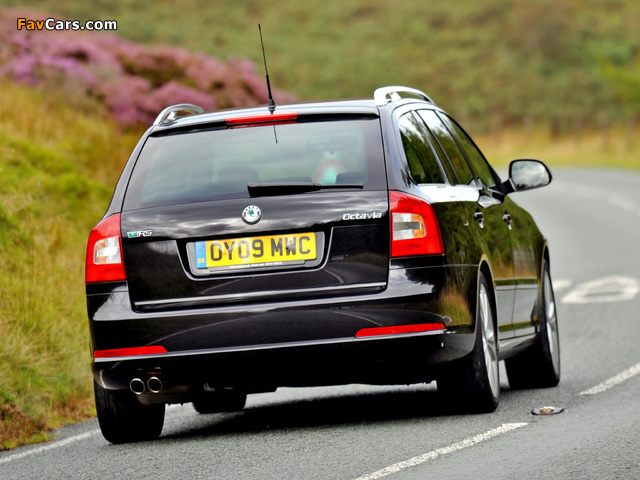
292, 188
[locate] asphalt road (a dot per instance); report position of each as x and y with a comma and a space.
592, 221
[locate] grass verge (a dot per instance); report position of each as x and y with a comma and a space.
610, 148
57, 167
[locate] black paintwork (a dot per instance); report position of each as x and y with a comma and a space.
296, 325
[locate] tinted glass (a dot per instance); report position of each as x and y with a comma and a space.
475, 157
444, 163
216, 164
423, 165
449, 146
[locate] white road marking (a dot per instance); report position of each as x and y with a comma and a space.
615, 288
561, 284
61, 443
469, 442
613, 381
599, 195
50, 446
588, 193
621, 202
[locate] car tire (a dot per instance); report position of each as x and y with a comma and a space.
539, 366
472, 384
220, 402
124, 419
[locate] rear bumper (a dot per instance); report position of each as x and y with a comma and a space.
399, 360
304, 342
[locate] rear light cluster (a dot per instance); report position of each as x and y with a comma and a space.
104, 252
414, 227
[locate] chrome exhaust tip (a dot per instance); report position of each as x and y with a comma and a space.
154, 384
137, 386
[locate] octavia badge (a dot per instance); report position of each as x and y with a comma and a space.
251, 214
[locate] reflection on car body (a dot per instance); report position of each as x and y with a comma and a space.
358, 241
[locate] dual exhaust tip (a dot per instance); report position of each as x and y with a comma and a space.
138, 386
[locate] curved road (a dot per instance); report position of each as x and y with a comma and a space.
592, 221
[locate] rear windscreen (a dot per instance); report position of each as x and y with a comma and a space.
217, 164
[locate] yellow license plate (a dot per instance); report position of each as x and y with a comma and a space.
256, 251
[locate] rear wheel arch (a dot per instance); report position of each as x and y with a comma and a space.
473, 382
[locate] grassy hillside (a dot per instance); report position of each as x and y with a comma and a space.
565, 64
57, 168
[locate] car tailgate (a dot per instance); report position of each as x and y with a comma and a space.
310, 245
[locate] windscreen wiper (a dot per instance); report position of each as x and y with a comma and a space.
292, 188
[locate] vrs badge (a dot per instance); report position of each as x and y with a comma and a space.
140, 233
252, 214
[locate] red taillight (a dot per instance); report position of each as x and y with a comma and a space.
397, 329
267, 119
414, 227
104, 252
128, 352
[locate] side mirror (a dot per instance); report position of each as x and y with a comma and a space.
527, 175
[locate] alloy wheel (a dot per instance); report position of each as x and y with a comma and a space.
551, 322
489, 342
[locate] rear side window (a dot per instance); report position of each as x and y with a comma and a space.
423, 165
217, 164
475, 157
449, 146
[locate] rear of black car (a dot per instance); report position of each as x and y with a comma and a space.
261, 250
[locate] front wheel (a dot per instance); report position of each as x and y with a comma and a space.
473, 383
124, 419
539, 367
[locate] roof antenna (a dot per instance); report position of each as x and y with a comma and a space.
272, 104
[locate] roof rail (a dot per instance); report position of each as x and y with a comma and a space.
169, 114
384, 95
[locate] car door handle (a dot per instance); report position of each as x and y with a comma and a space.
479, 217
507, 218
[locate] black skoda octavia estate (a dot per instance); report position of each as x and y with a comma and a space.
360, 241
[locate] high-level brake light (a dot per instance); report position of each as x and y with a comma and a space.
266, 119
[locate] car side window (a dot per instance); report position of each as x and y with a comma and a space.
423, 164
474, 155
444, 163
449, 146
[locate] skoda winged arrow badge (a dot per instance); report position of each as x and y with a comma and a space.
251, 214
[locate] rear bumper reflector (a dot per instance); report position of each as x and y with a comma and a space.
398, 329
128, 352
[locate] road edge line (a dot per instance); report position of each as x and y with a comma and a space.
50, 446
